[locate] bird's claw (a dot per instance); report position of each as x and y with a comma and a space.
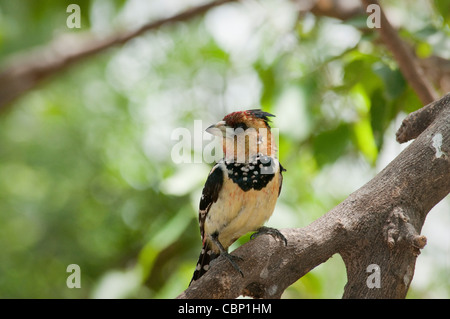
275, 233
232, 261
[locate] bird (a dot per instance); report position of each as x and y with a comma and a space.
242, 188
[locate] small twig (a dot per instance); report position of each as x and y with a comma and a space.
405, 59
416, 122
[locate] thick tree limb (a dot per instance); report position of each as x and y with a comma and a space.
405, 59
28, 70
379, 224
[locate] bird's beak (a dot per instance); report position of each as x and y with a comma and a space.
218, 129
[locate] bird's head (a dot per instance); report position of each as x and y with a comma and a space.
245, 133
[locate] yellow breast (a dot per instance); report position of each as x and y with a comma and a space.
238, 212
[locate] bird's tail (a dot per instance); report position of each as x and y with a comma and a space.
206, 256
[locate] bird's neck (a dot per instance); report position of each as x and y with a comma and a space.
245, 146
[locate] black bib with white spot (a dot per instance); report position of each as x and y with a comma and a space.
255, 174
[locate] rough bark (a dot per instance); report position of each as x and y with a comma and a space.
379, 224
418, 121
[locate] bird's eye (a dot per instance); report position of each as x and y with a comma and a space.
242, 126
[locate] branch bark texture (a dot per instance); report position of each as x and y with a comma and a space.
379, 224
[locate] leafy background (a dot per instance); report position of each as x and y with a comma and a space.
86, 172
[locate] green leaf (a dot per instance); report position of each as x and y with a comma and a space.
365, 140
379, 116
393, 80
360, 71
359, 21
424, 50
443, 7
267, 77
329, 145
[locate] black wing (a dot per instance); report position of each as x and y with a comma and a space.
282, 169
210, 195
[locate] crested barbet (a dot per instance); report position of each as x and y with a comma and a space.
242, 189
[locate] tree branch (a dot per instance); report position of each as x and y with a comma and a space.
416, 122
342, 10
378, 224
406, 61
27, 70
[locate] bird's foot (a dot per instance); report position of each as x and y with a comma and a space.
225, 253
275, 233
232, 259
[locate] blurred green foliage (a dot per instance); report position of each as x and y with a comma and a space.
86, 174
